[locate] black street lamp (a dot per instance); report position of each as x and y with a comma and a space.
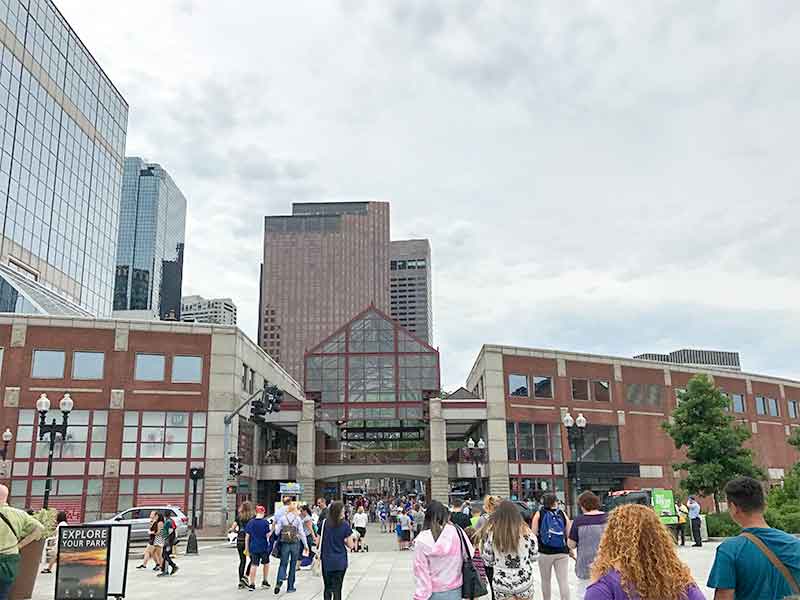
7, 437
476, 456
52, 428
575, 432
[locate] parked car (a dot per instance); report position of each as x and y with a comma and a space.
139, 520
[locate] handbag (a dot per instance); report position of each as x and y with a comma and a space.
316, 564
471, 584
776, 562
9, 563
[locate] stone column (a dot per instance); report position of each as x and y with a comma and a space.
494, 387
305, 451
440, 486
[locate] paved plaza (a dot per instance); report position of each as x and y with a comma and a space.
381, 574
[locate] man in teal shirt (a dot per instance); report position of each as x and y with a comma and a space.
741, 571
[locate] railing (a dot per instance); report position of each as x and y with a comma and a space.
280, 456
372, 456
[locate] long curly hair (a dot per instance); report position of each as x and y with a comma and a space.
637, 544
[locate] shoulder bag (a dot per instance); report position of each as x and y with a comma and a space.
9, 563
316, 564
471, 584
782, 568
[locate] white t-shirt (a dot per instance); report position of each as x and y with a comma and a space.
360, 520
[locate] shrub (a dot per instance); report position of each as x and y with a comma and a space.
721, 525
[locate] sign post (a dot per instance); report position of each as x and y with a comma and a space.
195, 474
83, 562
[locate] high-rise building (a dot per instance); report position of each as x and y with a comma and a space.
410, 272
62, 150
220, 311
152, 229
322, 264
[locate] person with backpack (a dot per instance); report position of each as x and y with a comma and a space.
439, 553
509, 547
291, 534
552, 530
170, 535
637, 559
17, 530
761, 562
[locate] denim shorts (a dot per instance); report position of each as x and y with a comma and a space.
448, 595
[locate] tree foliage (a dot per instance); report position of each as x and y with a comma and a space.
794, 439
713, 442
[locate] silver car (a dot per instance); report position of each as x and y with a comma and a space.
139, 520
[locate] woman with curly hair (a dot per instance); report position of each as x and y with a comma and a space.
509, 547
637, 560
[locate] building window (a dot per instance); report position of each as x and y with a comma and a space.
761, 405
601, 390
600, 444
793, 409
518, 385
162, 435
580, 389
48, 364
88, 365
537, 442
149, 367
511, 441
187, 369
542, 386
737, 401
644, 394
82, 435
772, 407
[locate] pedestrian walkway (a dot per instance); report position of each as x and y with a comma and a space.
383, 573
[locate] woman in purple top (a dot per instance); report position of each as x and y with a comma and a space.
637, 560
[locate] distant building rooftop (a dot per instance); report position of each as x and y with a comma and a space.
697, 358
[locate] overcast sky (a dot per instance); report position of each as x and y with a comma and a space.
591, 177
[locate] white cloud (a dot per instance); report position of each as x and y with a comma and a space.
590, 178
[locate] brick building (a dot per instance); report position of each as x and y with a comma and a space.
149, 400
527, 391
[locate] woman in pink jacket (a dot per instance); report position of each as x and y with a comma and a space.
438, 555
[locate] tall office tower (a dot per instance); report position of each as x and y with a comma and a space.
410, 271
152, 229
63, 145
220, 311
323, 264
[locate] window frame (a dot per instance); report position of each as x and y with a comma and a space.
733, 397
585, 380
51, 350
150, 354
761, 401
772, 403
793, 409
594, 383
172, 370
102, 369
552, 387
511, 391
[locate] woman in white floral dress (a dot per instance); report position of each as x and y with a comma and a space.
510, 548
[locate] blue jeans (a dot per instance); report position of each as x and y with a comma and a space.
5, 586
290, 553
448, 595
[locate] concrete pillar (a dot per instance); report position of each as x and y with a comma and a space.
494, 385
439, 486
305, 452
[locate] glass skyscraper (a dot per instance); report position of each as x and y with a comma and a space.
152, 229
62, 146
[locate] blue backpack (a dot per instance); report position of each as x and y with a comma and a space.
552, 527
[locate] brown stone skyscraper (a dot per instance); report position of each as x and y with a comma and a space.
323, 264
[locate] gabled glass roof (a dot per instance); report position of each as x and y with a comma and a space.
21, 295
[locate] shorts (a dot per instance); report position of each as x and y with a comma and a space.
158, 541
405, 535
362, 532
259, 558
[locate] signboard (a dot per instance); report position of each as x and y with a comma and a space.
83, 561
664, 505
291, 489
118, 560
246, 441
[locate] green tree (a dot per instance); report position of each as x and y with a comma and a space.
794, 439
713, 442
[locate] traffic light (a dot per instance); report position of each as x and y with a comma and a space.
274, 398
257, 410
234, 466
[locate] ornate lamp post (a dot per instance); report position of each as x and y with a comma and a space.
477, 456
53, 429
575, 432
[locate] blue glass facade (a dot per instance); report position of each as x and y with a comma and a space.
152, 227
62, 144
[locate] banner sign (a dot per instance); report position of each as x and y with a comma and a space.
291, 489
83, 559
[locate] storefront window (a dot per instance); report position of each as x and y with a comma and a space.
163, 435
